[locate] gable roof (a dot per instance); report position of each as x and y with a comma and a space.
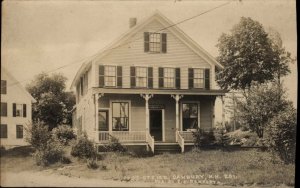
17, 83
168, 24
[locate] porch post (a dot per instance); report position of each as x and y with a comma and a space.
177, 98
97, 97
223, 112
147, 97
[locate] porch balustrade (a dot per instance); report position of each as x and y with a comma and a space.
180, 141
122, 136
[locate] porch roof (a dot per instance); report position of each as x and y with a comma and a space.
214, 92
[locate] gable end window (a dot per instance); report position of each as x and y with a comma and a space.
3, 131
4, 109
155, 42
19, 110
3, 87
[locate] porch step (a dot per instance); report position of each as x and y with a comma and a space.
166, 148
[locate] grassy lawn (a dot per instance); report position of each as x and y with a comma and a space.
249, 167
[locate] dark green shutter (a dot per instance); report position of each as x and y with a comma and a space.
177, 81
119, 76
14, 110
4, 109
101, 76
24, 110
191, 78
132, 76
160, 77
207, 83
150, 77
3, 131
164, 42
146, 41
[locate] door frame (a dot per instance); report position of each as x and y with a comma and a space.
107, 117
162, 122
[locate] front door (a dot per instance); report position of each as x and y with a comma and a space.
156, 124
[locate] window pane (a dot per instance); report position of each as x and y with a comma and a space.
154, 42
189, 116
19, 110
141, 77
19, 129
3, 109
3, 87
3, 131
110, 76
120, 115
102, 126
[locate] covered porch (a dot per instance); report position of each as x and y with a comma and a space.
151, 117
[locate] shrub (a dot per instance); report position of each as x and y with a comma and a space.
92, 164
64, 134
49, 152
115, 145
37, 135
83, 148
204, 138
281, 134
244, 138
222, 139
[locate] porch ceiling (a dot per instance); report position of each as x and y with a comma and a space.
214, 92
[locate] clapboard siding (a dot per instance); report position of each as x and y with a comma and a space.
132, 54
205, 114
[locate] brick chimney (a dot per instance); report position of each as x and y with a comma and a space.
132, 22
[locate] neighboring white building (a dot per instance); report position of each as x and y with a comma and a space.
15, 110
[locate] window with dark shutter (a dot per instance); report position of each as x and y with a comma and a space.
191, 78
3, 87
150, 77
101, 76
132, 76
164, 43
24, 110
146, 41
119, 76
177, 75
14, 109
3, 109
207, 83
3, 131
160, 77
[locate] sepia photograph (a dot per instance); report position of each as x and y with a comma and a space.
149, 93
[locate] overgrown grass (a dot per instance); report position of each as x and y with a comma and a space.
251, 167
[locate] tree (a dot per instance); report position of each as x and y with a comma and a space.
53, 104
263, 103
249, 56
281, 134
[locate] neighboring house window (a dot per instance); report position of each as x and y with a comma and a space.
155, 42
3, 87
3, 131
199, 78
189, 116
19, 110
19, 131
120, 116
4, 109
141, 76
169, 77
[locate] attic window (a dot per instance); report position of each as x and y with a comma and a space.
155, 42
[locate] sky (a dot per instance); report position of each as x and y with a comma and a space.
42, 36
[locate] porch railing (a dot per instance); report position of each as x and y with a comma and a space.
187, 135
122, 136
180, 140
150, 141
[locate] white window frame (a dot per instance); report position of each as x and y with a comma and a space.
174, 77
136, 76
111, 114
21, 110
198, 78
181, 116
153, 35
105, 75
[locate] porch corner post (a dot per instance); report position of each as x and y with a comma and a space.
96, 116
223, 112
177, 98
147, 97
